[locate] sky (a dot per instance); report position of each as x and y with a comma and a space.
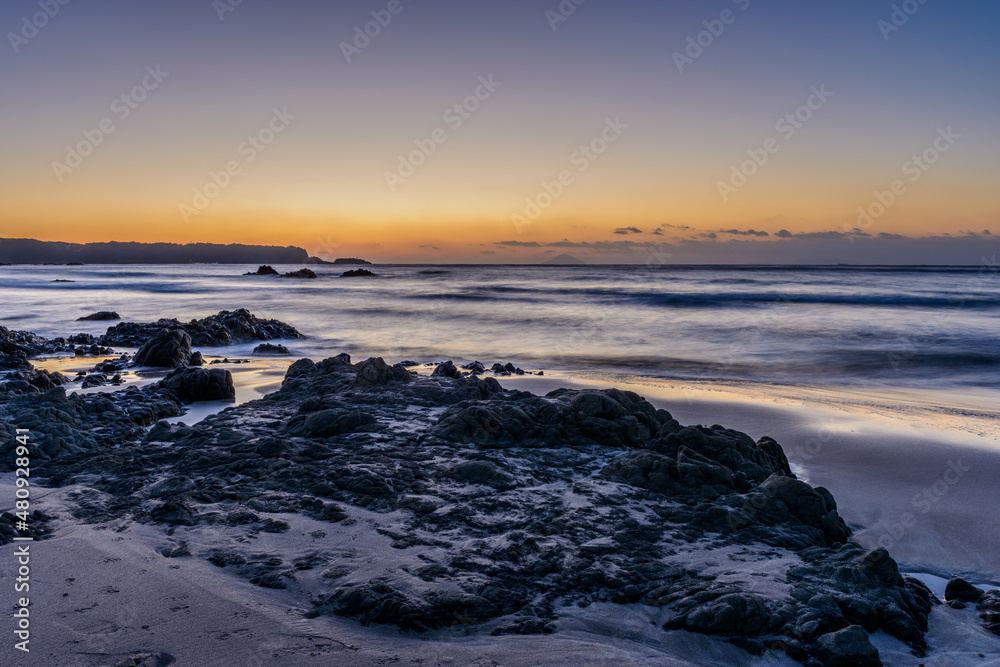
736, 131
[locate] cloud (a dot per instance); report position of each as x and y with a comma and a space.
740, 232
486, 252
628, 230
806, 248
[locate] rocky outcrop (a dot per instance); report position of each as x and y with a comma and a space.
170, 348
501, 507
192, 385
989, 610
17, 346
30, 382
270, 349
101, 316
63, 425
357, 273
263, 270
301, 274
961, 590
224, 328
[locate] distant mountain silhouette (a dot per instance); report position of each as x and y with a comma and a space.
565, 259
30, 251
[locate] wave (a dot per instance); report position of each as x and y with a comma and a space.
715, 299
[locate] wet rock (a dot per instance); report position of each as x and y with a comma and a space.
735, 613
302, 274
263, 270
989, 610
962, 590
94, 380
357, 273
170, 348
850, 647
146, 660
223, 328
192, 385
101, 316
327, 423
376, 373
484, 472
448, 370
173, 512
270, 349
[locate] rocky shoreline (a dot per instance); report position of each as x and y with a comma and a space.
501, 509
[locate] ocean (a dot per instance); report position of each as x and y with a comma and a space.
920, 327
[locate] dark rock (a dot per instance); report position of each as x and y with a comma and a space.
94, 380
506, 369
962, 590
192, 385
484, 472
327, 423
270, 349
170, 348
196, 359
850, 647
735, 613
263, 270
146, 660
357, 273
350, 260
17, 346
448, 370
173, 512
989, 610
223, 328
376, 373
100, 316
301, 273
